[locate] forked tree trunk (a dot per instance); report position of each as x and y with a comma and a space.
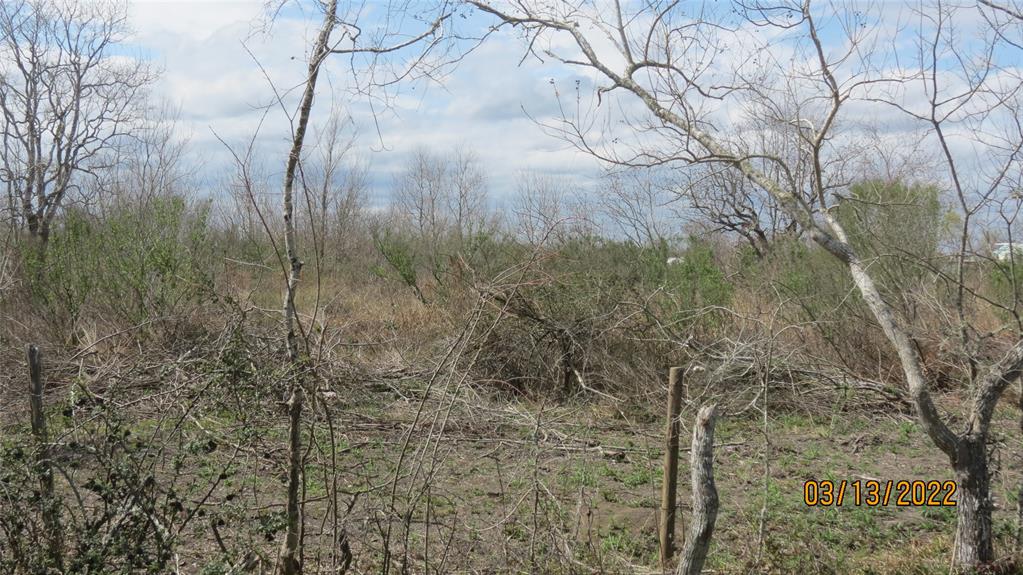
966, 451
973, 541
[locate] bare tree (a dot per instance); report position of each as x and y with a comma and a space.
290, 558
731, 203
65, 99
392, 38
705, 77
468, 198
443, 197
336, 187
146, 167
642, 205
438, 213
421, 194
547, 209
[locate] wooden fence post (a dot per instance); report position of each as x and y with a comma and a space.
44, 466
705, 494
669, 484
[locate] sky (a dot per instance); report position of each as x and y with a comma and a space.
221, 66
208, 52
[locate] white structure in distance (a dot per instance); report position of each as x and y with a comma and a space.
1004, 252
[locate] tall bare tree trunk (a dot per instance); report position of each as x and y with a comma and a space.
290, 560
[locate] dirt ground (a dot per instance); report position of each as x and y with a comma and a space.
494, 484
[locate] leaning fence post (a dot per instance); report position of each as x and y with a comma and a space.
669, 487
705, 494
44, 466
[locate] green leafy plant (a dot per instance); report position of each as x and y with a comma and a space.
136, 264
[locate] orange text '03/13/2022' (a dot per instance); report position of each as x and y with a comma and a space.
875, 493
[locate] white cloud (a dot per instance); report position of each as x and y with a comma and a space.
483, 105
207, 72
161, 21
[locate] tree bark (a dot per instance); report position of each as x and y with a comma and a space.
705, 494
1019, 486
973, 542
290, 561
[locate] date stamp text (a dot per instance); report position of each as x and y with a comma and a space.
872, 493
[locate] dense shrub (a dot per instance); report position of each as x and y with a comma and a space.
898, 231
594, 312
400, 260
136, 264
814, 291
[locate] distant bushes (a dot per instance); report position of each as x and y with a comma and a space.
576, 310
1005, 279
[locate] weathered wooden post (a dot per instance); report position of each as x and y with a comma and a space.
44, 467
705, 494
669, 486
